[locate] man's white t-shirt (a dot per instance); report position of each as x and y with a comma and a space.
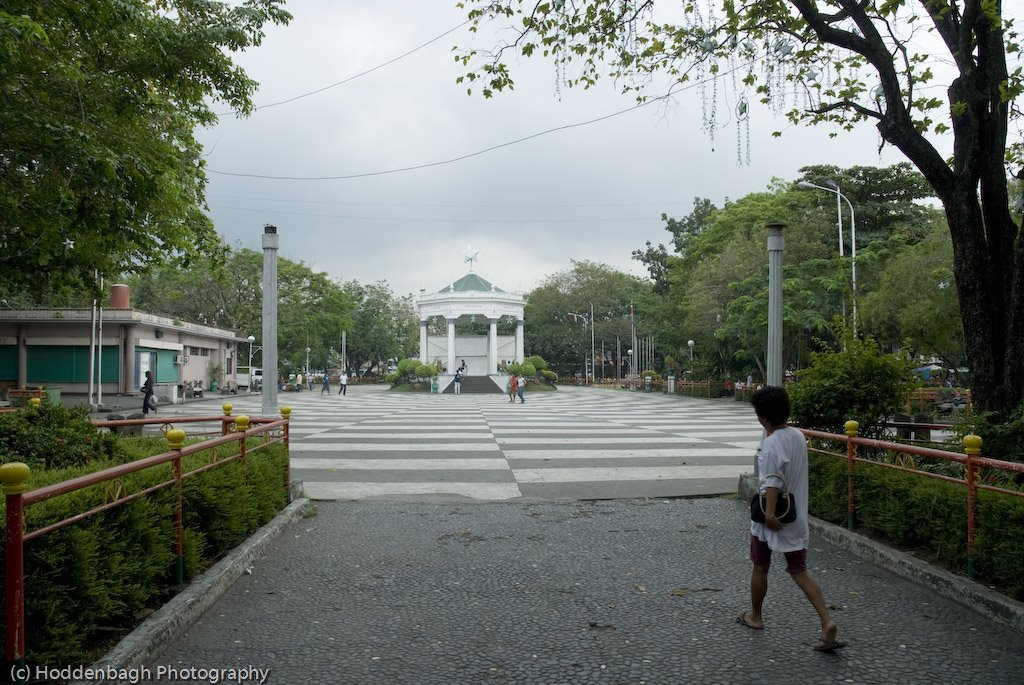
782, 463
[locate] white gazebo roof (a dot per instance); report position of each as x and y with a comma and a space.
470, 295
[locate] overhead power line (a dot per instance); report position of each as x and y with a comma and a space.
451, 160
359, 75
491, 220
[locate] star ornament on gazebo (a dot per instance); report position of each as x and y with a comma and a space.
470, 255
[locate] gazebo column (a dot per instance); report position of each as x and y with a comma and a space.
520, 344
423, 341
451, 346
492, 347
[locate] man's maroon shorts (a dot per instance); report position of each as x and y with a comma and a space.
761, 554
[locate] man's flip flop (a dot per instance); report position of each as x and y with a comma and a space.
826, 645
742, 619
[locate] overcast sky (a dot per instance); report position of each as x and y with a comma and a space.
593, 192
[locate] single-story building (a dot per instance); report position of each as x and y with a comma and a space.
51, 348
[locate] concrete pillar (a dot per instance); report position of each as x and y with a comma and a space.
451, 346
271, 243
776, 243
520, 343
492, 347
423, 341
128, 378
22, 355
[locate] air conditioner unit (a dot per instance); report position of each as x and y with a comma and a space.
180, 360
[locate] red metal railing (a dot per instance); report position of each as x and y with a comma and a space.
971, 461
14, 479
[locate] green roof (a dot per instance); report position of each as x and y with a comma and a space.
470, 283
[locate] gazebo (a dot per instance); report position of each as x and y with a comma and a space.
469, 297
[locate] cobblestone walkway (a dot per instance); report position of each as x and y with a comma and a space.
626, 591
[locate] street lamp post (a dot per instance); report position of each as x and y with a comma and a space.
833, 187
690, 344
251, 339
593, 375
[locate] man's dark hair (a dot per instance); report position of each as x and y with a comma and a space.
772, 403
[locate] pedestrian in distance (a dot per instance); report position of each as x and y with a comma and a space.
343, 382
782, 465
521, 382
513, 387
327, 384
463, 368
148, 401
458, 382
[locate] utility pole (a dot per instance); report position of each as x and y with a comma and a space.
271, 243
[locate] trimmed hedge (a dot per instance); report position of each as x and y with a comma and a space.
89, 582
927, 514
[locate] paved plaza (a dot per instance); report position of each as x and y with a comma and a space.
577, 443
387, 584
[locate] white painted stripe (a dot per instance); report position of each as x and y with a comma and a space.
403, 435
341, 446
605, 429
627, 474
620, 439
481, 491
683, 453
401, 464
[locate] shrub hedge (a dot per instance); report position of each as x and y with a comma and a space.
87, 583
927, 514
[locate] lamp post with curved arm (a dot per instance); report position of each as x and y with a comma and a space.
833, 187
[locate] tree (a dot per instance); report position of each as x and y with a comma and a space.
915, 303
384, 326
833, 53
313, 310
99, 167
558, 313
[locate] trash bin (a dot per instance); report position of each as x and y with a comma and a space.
648, 385
433, 387
53, 396
671, 384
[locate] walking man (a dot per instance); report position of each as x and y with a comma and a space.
513, 386
458, 382
343, 384
522, 388
326, 388
782, 465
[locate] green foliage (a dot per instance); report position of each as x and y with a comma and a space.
53, 436
98, 104
529, 370
515, 369
537, 362
1003, 434
549, 375
834, 59
426, 371
407, 367
653, 375
393, 377
384, 324
857, 382
926, 514
99, 573
313, 309
558, 332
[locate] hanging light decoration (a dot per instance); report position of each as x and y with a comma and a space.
742, 108
783, 47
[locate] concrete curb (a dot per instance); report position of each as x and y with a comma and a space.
174, 619
964, 591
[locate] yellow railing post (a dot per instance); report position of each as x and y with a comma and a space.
972, 448
851, 459
241, 426
286, 413
176, 438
